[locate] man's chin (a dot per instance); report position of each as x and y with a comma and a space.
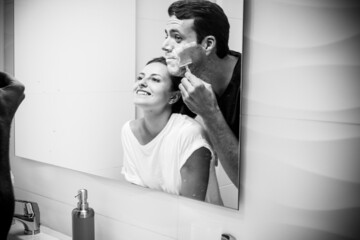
176, 71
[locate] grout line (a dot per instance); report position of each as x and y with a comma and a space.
298, 119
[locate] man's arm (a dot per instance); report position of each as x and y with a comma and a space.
11, 95
225, 143
200, 98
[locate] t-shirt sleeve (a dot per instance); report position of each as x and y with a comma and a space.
129, 169
192, 139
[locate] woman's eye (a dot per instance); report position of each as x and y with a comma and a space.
139, 78
155, 79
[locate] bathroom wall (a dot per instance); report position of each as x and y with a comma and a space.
79, 73
301, 120
123, 211
301, 138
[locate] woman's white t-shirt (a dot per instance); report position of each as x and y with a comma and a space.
157, 164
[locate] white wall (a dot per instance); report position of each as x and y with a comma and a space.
301, 165
76, 59
123, 211
301, 120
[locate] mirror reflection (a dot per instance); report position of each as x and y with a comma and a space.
174, 129
165, 150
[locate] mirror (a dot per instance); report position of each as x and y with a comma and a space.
79, 60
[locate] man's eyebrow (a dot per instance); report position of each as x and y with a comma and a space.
174, 31
155, 75
174, 21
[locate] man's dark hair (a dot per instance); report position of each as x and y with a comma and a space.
179, 106
209, 19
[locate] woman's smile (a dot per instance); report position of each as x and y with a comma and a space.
142, 92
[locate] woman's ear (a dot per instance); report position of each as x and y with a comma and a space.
175, 97
208, 43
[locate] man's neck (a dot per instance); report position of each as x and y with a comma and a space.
218, 72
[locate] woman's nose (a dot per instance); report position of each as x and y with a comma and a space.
142, 82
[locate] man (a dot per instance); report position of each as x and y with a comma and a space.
211, 85
11, 95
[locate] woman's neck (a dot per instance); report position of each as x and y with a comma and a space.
151, 125
154, 122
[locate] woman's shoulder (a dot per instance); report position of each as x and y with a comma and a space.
186, 124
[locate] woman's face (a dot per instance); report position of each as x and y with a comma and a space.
153, 87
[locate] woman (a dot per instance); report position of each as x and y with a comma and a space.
164, 150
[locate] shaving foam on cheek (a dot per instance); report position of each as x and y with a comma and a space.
183, 53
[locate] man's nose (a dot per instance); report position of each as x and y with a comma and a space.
166, 46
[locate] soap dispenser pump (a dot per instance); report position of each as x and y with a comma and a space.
83, 218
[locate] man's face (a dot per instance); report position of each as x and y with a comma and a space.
178, 34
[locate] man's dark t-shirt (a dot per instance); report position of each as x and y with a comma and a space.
229, 101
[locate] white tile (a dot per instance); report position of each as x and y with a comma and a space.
300, 65
86, 125
233, 8
236, 35
107, 228
111, 172
152, 9
324, 93
33, 127
296, 25
300, 178
150, 36
59, 57
302, 164
196, 214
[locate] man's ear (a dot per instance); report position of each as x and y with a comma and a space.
175, 97
208, 43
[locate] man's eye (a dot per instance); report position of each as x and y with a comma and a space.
155, 79
139, 78
178, 38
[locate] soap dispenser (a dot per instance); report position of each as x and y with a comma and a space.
83, 218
